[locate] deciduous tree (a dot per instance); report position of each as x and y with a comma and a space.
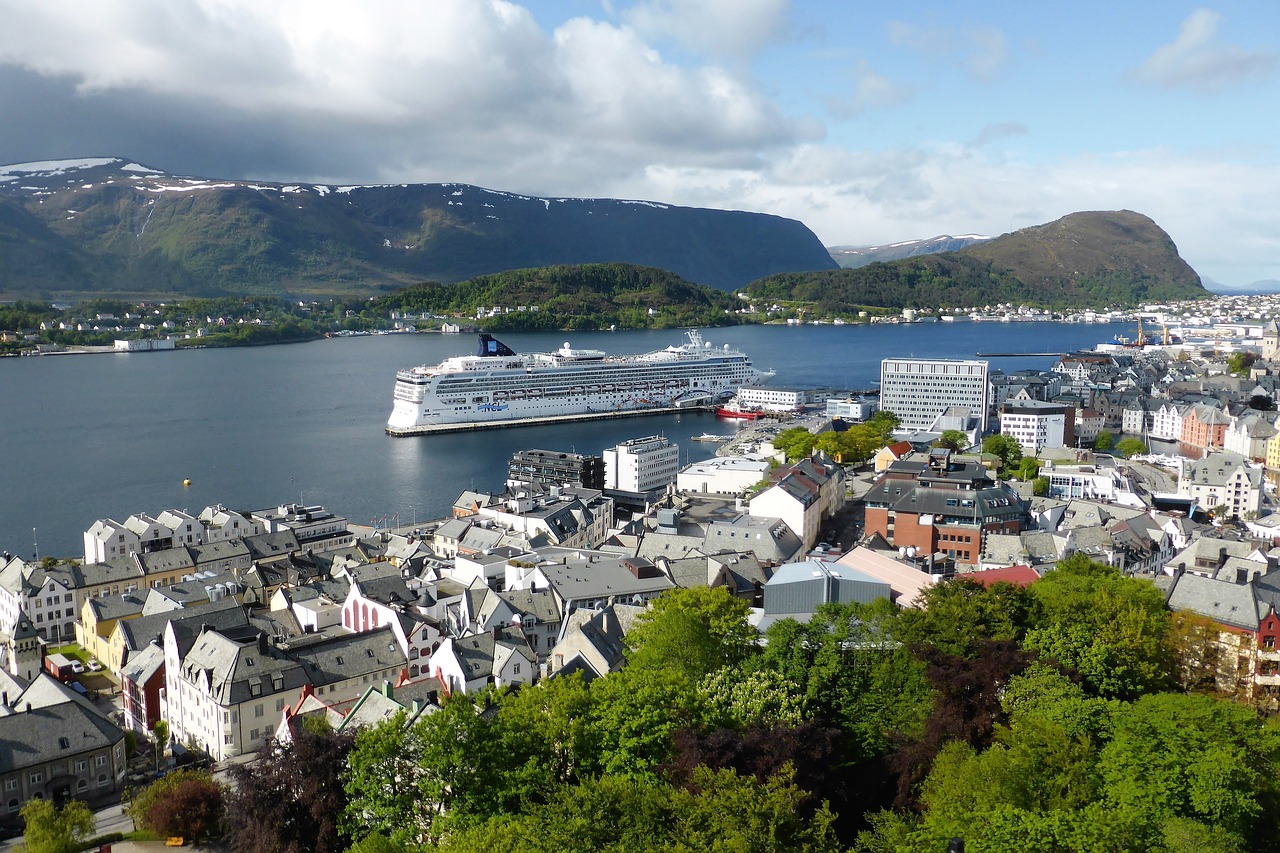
292, 799
49, 829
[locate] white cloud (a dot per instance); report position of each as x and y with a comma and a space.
724, 29
1198, 60
447, 90
986, 53
981, 52
868, 198
871, 90
999, 130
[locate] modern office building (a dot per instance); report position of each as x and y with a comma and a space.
641, 464
917, 390
556, 468
1038, 426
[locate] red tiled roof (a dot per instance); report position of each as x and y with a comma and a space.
1016, 575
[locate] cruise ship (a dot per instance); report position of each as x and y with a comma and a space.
499, 387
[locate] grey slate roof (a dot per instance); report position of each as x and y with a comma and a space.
1229, 603
233, 666
137, 633
349, 656
34, 738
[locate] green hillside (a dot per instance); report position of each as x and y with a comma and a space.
1093, 259
582, 296
113, 227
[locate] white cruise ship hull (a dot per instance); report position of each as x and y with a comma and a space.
488, 390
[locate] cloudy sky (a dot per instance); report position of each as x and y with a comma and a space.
870, 122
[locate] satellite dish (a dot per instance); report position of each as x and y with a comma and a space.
902, 552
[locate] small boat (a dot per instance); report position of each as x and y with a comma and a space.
733, 410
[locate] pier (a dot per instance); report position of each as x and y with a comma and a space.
1019, 354
476, 426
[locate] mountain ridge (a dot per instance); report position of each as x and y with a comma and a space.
112, 224
853, 257
1085, 259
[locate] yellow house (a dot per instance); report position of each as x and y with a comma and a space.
98, 618
1273, 458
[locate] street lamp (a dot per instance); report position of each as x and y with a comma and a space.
35, 543
415, 516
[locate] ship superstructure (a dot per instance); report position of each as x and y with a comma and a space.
498, 385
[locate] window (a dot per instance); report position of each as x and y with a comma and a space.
82, 766
13, 804
101, 760
82, 785
257, 710
1268, 642
11, 784
37, 778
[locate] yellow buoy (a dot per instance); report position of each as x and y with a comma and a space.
186, 482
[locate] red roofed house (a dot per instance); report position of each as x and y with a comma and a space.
1016, 575
891, 454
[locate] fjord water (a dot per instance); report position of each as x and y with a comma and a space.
93, 436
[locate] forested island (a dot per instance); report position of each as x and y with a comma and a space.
585, 297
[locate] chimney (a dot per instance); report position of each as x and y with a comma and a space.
262, 643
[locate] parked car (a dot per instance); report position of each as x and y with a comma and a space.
94, 666
77, 667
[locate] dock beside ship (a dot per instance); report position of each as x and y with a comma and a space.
476, 426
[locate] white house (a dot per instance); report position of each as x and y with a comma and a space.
811, 491
1166, 422
377, 602
722, 475
1035, 425
501, 657
1224, 480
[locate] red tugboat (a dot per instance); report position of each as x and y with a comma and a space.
732, 409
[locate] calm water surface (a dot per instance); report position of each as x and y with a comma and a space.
90, 436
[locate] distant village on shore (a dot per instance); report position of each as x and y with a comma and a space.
1158, 455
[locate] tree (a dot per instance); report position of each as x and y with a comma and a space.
1007, 448
544, 736
718, 811
1112, 630
960, 616
49, 829
292, 799
160, 731
191, 808
796, 442
855, 672
734, 698
1028, 468
884, 423
444, 771
1040, 487
953, 439
1262, 403
1127, 447
1215, 761
967, 708
1240, 363
695, 630
1103, 441
376, 842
